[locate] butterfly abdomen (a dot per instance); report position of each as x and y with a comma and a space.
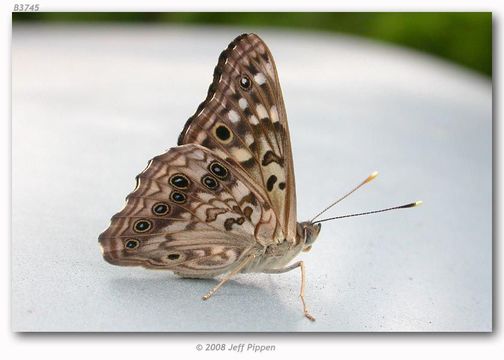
274, 256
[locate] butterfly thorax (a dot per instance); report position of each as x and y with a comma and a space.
278, 255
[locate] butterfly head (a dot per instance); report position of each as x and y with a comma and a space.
308, 232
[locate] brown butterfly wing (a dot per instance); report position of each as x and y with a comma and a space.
243, 120
191, 212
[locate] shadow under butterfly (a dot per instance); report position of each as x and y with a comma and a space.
223, 201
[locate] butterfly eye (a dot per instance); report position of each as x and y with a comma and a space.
178, 197
218, 170
142, 225
179, 181
210, 182
245, 83
160, 209
131, 244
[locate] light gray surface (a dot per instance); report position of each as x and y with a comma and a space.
91, 105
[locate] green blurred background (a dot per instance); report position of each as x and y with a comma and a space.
464, 38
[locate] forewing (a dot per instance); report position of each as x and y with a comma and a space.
190, 212
243, 120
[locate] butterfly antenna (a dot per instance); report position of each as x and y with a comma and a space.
368, 179
410, 205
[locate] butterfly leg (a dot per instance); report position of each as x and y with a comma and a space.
244, 263
296, 265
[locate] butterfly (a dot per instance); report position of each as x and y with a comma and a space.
223, 201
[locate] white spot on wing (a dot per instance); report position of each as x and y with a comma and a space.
243, 103
253, 120
233, 116
261, 111
249, 139
241, 154
259, 78
274, 114
195, 155
220, 153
